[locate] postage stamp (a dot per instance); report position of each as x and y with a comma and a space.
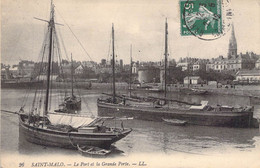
202, 18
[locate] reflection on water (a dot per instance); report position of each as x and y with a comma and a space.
156, 136
147, 136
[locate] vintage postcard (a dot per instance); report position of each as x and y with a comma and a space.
130, 83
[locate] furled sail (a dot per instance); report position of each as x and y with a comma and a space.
71, 120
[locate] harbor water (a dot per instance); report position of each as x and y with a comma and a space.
146, 137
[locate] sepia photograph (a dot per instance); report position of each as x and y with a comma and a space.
130, 83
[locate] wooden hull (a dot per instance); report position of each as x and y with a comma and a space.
47, 137
196, 117
93, 151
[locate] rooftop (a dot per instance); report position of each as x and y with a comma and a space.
253, 72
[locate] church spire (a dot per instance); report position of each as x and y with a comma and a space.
232, 49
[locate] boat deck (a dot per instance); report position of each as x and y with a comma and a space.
229, 117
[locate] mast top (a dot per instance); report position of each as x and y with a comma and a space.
166, 25
113, 63
52, 12
165, 59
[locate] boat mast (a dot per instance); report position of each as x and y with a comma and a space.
113, 63
131, 64
51, 27
165, 60
71, 76
188, 69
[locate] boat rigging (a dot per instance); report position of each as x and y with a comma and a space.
157, 108
59, 128
165, 58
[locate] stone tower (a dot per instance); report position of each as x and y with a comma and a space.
232, 48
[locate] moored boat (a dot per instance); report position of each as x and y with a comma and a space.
93, 151
45, 131
71, 103
157, 108
42, 125
208, 116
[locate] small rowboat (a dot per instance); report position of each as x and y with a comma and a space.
93, 151
175, 122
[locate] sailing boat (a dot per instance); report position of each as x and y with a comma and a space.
156, 109
60, 129
71, 104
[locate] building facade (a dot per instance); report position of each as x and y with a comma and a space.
248, 76
257, 64
234, 62
192, 64
192, 80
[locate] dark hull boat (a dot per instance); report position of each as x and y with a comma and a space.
73, 103
70, 105
224, 118
69, 138
155, 108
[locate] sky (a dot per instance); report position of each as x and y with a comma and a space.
137, 22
